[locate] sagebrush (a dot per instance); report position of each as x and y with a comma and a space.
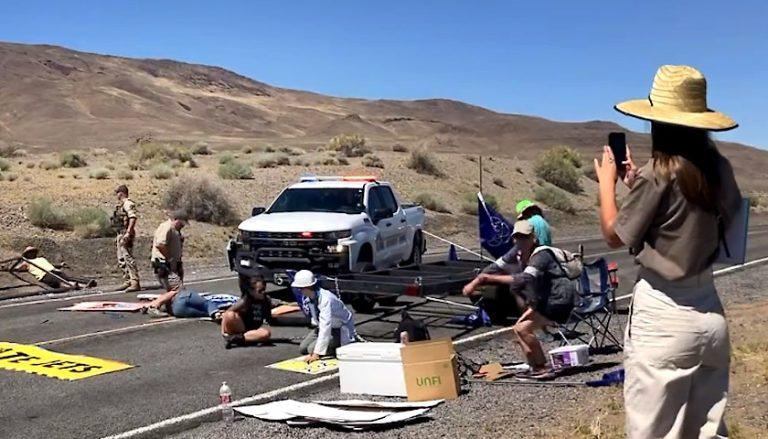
431, 203
233, 170
349, 145
161, 172
423, 162
71, 159
88, 222
558, 167
555, 198
372, 161
202, 200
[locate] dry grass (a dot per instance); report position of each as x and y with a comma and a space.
424, 162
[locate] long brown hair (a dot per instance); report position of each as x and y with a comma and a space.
690, 156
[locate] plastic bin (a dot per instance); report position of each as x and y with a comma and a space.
371, 369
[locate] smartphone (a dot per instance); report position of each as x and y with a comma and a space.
618, 144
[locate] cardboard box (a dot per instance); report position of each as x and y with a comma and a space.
431, 370
371, 369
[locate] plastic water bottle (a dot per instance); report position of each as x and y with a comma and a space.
225, 401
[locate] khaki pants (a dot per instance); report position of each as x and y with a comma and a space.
126, 261
677, 359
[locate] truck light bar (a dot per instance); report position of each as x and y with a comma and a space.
314, 178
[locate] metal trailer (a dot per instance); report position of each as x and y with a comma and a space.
364, 290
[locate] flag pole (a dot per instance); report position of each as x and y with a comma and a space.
480, 163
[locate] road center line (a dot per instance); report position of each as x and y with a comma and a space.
157, 322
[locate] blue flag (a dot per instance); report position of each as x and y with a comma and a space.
495, 230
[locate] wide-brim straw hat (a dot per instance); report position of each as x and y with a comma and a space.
678, 97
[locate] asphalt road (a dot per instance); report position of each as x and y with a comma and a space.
180, 363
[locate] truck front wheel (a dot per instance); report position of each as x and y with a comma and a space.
363, 303
416, 255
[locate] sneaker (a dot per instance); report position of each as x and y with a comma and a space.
234, 340
156, 313
133, 286
91, 283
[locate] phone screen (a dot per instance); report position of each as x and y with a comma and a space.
618, 144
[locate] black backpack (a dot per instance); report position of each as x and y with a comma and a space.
416, 329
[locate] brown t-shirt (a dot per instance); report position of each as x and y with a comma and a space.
167, 235
670, 235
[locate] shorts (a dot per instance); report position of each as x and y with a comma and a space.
557, 313
250, 323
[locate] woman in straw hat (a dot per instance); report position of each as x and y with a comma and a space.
676, 342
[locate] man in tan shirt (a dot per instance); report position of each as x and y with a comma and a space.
124, 221
167, 248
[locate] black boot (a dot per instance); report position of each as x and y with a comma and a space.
234, 340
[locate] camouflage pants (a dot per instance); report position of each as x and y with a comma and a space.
125, 260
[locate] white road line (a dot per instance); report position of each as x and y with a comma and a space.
614, 252
721, 272
211, 412
102, 294
111, 331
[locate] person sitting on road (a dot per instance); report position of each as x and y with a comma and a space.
544, 293
181, 302
48, 273
243, 322
528, 210
498, 271
332, 321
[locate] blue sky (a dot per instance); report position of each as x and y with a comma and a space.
563, 60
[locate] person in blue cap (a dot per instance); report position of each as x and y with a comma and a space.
333, 323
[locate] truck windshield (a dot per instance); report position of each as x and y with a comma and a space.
341, 200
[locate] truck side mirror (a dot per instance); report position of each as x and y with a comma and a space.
380, 214
257, 211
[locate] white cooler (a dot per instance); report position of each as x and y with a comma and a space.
371, 369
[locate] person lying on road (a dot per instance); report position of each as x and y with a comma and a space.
243, 322
48, 273
332, 321
181, 302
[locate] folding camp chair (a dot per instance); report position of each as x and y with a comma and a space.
596, 306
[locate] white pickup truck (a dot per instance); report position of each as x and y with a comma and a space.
330, 225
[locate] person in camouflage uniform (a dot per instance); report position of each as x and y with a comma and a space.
124, 220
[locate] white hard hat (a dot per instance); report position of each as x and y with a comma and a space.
304, 279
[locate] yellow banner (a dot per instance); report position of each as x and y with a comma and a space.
32, 359
299, 365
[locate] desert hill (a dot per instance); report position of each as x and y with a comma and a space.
53, 98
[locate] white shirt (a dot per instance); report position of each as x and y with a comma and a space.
328, 312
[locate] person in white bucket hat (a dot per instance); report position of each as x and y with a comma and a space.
333, 324
677, 351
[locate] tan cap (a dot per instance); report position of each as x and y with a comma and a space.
523, 227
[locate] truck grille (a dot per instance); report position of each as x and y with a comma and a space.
275, 235
281, 253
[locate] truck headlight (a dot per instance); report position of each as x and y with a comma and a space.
338, 234
338, 248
